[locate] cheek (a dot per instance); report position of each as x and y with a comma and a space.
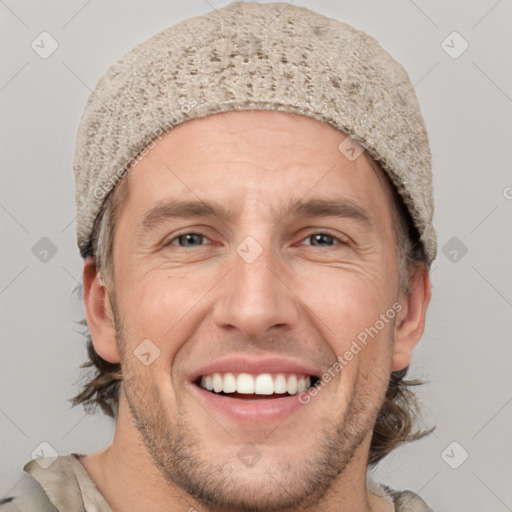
155, 303
345, 302
149, 386
346, 309
166, 309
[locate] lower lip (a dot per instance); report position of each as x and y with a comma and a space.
247, 411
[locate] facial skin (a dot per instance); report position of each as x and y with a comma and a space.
304, 299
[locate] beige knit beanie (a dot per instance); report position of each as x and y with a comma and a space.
255, 56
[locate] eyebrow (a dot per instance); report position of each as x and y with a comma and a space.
313, 208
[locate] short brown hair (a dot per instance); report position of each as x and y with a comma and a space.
400, 411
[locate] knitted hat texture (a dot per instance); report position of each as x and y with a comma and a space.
250, 56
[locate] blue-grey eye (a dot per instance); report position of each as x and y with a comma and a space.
188, 239
321, 237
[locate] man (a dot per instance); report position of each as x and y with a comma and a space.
254, 199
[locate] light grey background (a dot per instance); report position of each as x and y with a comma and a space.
466, 350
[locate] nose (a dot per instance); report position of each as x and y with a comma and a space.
255, 298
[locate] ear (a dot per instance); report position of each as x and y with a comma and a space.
100, 319
410, 322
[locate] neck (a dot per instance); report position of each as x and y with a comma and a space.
128, 478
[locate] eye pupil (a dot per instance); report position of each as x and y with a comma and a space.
323, 236
189, 237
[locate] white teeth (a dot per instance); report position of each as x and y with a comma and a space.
229, 383
303, 383
262, 384
207, 383
245, 384
217, 382
291, 385
280, 384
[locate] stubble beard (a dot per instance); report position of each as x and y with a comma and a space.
177, 449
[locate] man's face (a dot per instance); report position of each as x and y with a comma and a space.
260, 291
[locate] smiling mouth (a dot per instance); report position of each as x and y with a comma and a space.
264, 386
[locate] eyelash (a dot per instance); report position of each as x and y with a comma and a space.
338, 239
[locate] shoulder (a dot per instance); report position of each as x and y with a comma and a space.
403, 501
57, 477
407, 501
64, 483
27, 496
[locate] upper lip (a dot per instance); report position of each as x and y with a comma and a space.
246, 364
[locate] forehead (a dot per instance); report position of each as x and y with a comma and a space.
267, 157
